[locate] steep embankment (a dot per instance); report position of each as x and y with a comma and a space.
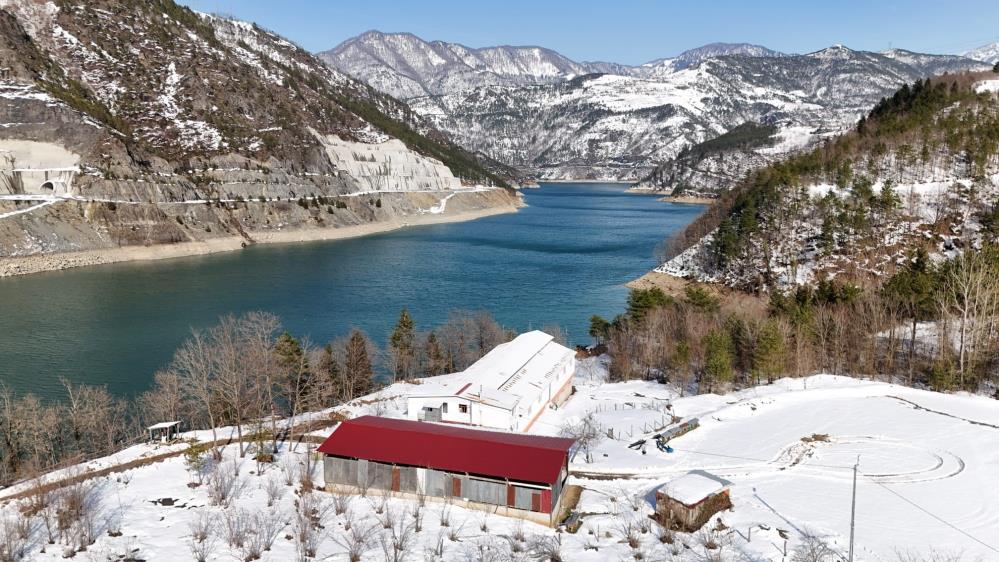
921, 170
134, 126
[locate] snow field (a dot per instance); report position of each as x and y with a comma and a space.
926, 461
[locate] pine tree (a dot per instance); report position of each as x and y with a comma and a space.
718, 368
357, 370
402, 346
599, 328
913, 288
769, 352
288, 351
437, 361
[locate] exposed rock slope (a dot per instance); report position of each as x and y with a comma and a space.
181, 127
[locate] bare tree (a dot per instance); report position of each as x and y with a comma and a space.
274, 490
397, 541
236, 527
972, 293
166, 401
546, 548
587, 432
813, 549
13, 546
356, 540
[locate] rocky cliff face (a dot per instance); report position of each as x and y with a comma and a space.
158, 125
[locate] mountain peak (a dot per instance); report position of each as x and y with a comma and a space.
407, 66
986, 53
696, 55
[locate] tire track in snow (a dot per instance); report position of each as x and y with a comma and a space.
938, 412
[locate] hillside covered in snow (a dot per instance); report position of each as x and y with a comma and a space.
921, 170
556, 119
787, 451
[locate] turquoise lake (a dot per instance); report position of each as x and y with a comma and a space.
560, 260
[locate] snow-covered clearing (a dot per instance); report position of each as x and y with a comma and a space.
927, 461
988, 86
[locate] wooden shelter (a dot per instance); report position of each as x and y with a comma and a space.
688, 502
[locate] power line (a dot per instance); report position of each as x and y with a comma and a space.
938, 518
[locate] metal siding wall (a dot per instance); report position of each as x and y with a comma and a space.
340, 471
362, 472
435, 483
522, 497
484, 491
380, 475
328, 471
407, 478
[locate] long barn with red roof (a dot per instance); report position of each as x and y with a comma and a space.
513, 474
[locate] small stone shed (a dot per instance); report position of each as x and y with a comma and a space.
688, 502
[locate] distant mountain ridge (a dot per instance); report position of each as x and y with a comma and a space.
406, 66
555, 118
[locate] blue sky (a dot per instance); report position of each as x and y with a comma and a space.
633, 31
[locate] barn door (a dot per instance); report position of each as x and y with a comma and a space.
396, 478
536, 501
456, 487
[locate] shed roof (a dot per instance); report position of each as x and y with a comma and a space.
164, 425
527, 458
694, 487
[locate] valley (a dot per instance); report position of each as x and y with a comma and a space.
428, 295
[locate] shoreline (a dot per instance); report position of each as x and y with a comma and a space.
585, 181
687, 200
679, 200
39, 263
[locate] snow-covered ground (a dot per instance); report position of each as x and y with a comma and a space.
926, 462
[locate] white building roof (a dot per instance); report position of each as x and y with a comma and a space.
508, 373
694, 487
163, 425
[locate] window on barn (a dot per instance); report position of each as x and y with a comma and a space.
463, 408
444, 407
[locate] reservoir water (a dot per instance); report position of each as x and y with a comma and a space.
560, 260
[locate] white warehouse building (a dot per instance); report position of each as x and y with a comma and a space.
507, 389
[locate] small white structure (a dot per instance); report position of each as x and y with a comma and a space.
163, 431
507, 389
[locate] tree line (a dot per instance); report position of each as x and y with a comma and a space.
931, 325
246, 371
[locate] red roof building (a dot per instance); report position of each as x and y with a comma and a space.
528, 458
517, 471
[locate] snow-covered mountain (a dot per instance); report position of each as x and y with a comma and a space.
709, 51
614, 126
986, 53
561, 119
405, 66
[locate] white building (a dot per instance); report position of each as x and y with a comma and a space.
507, 389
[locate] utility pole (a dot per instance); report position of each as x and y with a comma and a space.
853, 506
